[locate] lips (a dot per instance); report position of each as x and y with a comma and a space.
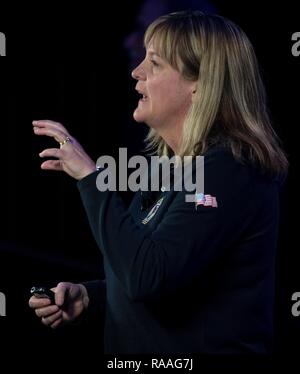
144, 97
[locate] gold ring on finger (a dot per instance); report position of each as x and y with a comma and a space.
66, 140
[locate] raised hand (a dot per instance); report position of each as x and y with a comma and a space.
70, 157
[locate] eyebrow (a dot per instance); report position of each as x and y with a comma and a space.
152, 53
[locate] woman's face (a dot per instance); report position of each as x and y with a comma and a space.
166, 95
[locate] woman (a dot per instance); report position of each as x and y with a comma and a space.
186, 280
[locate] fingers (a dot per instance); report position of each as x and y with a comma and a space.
72, 159
51, 319
69, 304
55, 324
35, 302
59, 133
51, 315
52, 165
46, 311
55, 133
60, 292
50, 125
51, 152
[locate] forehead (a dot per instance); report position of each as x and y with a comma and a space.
151, 50
177, 64
156, 44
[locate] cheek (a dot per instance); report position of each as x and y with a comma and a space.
172, 98
181, 96
169, 96
159, 94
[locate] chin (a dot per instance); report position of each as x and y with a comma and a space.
138, 117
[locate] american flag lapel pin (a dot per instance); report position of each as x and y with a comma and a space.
205, 200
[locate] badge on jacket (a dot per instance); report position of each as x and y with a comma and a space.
153, 211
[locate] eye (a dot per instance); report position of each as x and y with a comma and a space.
154, 63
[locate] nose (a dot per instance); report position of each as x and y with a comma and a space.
138, 73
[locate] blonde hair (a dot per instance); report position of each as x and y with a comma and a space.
230, 102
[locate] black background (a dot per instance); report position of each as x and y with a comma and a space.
68, 65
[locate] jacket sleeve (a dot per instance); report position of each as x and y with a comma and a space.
185, 244
96, 290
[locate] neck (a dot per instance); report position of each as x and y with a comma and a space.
172, 136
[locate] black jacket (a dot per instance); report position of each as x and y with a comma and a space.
189, 280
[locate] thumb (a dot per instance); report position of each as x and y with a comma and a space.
60, 292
